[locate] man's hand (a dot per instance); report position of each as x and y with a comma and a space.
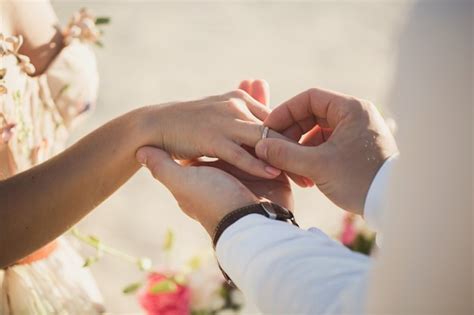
204, 193
343, 143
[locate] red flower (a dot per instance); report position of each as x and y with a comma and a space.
349, 232
163, 296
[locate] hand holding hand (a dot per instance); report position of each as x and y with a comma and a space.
343, 143
207, 191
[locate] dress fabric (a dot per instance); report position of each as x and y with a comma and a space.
36, 115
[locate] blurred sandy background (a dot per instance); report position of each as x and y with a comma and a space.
156, 52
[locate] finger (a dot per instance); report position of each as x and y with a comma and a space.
249, 133
246, 85
327, 132
187, 162
260, 91
299, 128
301, 181
162, 166
289, 156
256, 108
322, 104
237, 156
313, 137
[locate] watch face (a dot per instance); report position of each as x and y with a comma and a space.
270, 210
276, 212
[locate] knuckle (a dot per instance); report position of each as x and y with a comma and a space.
238, 94
278, 153
237, 156
370, 107
233, 105
359, 109
312, 91
355, 104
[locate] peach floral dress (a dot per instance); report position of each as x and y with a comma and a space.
36, 115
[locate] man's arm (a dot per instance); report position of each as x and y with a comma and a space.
286, 270
280, 268
374, 208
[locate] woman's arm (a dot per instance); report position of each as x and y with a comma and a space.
40, 204
37, 22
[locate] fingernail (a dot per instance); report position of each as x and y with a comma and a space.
261, 150
308, 182
272, 171
303, 183
141, 158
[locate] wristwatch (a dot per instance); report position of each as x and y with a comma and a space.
268, 209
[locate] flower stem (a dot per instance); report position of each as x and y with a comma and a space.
101, 247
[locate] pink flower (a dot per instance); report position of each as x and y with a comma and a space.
349, 232
163, 296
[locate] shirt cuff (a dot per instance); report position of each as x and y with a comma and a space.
377, 195
235, 233
283, 269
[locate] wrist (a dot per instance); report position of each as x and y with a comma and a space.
148, 127
267, 209
210, 220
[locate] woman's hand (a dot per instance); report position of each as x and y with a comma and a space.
216, 126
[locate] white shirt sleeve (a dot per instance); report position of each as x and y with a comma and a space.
286, 270
377, 194
283, 269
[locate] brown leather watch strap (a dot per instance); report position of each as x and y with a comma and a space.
267, 209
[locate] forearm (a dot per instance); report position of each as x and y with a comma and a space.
42, 203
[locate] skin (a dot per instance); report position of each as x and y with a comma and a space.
208, 191
40, 204
43, 202
37, 22
343, 143
333, 129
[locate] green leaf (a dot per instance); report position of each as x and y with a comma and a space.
195, 263
99, 44
179, 279
74, 231
132, 288
89, 261
144, 264
164, 286
102, 20
169, 240
94, 240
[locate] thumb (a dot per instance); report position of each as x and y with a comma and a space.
161, 165
288, 156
